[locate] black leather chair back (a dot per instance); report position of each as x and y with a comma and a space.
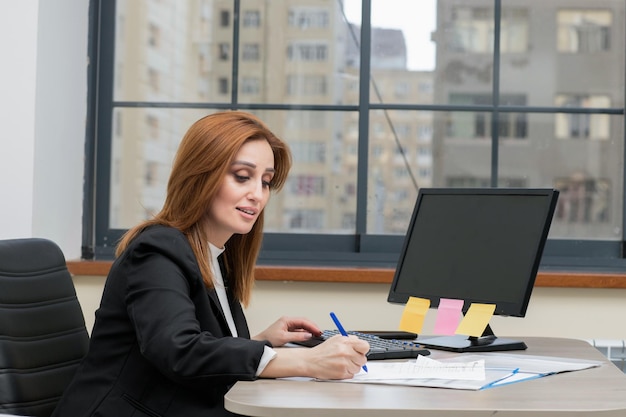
42, 327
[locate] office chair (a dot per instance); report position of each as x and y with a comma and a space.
42, 328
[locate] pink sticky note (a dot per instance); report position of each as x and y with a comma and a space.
448, 316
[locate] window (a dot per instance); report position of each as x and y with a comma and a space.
224, 18
154, 38
473, 30
154, 79
306, 85
304, 220
306, 185
153, 126
584, 31
582, 125
250, 85
307, 51
224, 51
308, 18
478, 125
250, 52
251, 19
545, 109
308, 152
222, 84
583, 200
151, 173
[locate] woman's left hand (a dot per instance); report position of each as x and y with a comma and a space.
289, 329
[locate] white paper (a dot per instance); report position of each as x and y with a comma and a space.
424, 367
499, 369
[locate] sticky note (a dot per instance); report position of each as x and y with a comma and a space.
413, 315
449, 314
476, 319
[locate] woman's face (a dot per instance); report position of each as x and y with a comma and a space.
243, 194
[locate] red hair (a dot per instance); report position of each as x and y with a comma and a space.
202, 161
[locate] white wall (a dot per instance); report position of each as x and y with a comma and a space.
577, 313
43, 106
43, 93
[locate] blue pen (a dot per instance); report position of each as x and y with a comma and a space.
342, 330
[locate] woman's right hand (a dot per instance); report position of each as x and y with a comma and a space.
339, 357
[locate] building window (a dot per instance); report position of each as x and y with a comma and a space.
307, 185
582, 200
472, 30
151, 173
153, 126
154, 35
251, 19
307, 51
222, 85
308, 152
304, 220
306, 85
250, 86
224, 51
582, 31
477, 125
224, 18
308, 18
154, 79
250, 52
560, 108
582, 125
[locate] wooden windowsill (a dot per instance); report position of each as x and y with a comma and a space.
376, 275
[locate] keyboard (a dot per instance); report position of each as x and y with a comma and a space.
379, 348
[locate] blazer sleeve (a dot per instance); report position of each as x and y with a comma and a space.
164, 296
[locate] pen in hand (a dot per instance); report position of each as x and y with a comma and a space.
342, 330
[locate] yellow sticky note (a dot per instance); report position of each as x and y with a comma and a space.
476, 319
413, 315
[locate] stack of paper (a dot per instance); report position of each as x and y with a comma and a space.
469, 372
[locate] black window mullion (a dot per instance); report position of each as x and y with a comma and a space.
495, 94
364, 109
235, 57
103, 127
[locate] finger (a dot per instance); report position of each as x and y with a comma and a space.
300, 335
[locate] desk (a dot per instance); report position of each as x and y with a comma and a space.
597, 392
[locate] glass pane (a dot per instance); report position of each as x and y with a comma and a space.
583, 169
320, 193
570, 49
304, 52
402, 51
400, 161
462, 145
173, 51
144, 141
464, 70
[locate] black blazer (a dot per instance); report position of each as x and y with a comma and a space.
159, 345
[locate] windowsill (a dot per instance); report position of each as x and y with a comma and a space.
376, 275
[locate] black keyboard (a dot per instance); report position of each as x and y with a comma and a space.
379, 348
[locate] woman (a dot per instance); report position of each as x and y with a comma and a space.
170, 337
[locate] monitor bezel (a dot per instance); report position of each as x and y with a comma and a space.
516, 309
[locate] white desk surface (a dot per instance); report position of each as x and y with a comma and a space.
597, 392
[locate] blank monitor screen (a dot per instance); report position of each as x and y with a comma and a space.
477, 245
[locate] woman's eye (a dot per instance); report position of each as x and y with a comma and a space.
241, 178
267, 184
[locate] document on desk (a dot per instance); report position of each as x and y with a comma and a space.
467, 372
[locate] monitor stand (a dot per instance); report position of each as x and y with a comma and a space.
488, 342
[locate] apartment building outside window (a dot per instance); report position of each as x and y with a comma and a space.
491, 93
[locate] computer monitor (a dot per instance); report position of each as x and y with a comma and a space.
479, 245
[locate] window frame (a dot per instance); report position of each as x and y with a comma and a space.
359, 249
